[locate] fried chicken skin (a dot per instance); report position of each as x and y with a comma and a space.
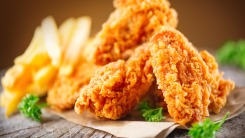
182, 75
65, 90
117, 87
132, 23
220, 87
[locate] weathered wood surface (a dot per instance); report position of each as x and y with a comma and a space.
51, 127
54, 126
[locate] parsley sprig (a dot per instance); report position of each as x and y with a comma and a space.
233, 53
149, 114
30, 108
206, 129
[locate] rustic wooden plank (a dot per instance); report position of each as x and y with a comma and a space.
72, 131
109, 136
98, 134
52, 126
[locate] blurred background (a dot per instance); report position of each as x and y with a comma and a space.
207, 24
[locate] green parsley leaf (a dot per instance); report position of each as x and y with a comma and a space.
233, 53
29, 107
206, 129
151, 115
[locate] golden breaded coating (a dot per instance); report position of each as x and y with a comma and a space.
65, 91
117, 87
182, 76
124, 3
131, 24
220, 88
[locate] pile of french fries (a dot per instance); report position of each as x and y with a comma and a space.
53, 51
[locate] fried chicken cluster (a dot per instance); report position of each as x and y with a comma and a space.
132, 23
117, 87
137, 45
190, 84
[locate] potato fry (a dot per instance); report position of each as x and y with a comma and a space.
45, 76
66, 70
36, 54
66, 30
39, 60
35, 43
52, 40
10, 101
17, 78
79, 38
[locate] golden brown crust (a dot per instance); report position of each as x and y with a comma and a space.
220, 87
65, 91
124, 3
117, 87
182, 75
131, 24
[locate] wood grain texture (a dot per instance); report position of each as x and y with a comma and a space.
53, 126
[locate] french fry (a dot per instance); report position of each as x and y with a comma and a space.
35, 43
45, 76
17, 78
66, 29
10, 101
89, 49
39, 60
79, 38
66, 70
36, 55
52, 40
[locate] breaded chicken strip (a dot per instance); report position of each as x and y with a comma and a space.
65, 91
220, 88
117, 87
132, 23
182, 75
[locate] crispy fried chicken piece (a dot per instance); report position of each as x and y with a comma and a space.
65, 91
132, 23
220, 88
182, 75
117, 87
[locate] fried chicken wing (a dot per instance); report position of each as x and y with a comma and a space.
132, 23
117, 87
65, 91
220, 87
182, 76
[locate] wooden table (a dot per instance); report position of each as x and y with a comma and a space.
54, 126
